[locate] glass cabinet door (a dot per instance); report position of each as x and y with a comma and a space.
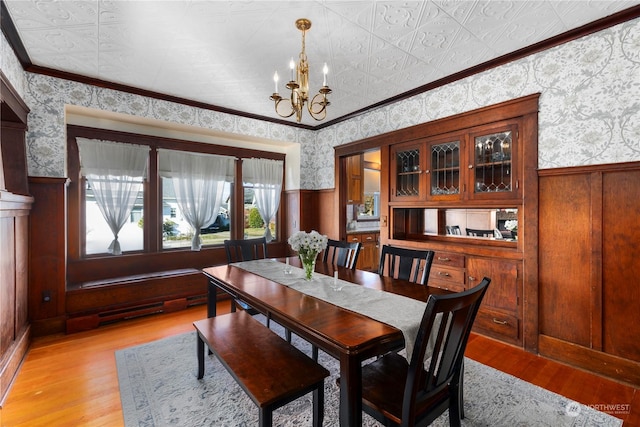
406, 172
493, 166
444, 169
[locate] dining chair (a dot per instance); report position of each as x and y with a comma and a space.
479, 233
453, 230
246, 250
341, 253
405, 264
397, 392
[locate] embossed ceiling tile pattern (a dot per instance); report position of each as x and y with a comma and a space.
433, 38
467, 50
488, 18
394, 20
528, 27
225, 52
577, 13
458, 10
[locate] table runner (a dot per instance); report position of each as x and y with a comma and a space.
398, 311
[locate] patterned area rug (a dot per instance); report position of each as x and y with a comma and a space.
158, 387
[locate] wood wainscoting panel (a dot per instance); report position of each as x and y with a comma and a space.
565, 252
589, 251
621, 264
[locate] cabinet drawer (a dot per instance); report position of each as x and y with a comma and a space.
354, 238
498, 323
449, 259
363, 238
369, 238
444, 274
447, 286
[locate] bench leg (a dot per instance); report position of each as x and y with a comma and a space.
200, 350
265, 419
314, 353
318, 405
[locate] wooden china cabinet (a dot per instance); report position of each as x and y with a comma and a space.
472, 170
438, 178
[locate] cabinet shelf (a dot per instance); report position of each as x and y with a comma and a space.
455, 169
493, 164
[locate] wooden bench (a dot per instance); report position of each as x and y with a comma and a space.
95, 303
269, 369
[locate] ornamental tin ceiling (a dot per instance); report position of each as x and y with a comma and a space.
225, 53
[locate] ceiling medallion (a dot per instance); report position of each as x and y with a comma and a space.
299, 86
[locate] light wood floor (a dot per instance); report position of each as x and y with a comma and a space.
71, 380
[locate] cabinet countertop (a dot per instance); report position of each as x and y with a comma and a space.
363, 231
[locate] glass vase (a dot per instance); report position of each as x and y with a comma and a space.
309, 264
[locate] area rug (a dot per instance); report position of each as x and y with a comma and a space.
158, 387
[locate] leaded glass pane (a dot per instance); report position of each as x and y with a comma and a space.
493, 162
408, 173
445, 168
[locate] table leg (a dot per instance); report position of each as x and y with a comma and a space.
350, 391
200, 350
212, 299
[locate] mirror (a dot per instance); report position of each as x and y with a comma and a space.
477, 223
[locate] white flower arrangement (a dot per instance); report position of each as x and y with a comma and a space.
511, 225
308, 243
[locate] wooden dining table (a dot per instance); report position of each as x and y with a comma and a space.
348, 336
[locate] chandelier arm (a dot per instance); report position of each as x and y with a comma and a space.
322, 102
277, 103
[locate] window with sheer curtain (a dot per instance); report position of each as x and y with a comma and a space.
151, 194
263, 177
115, 174
198, 182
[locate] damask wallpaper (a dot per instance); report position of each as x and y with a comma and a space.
589, 108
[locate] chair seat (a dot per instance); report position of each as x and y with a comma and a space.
383, 383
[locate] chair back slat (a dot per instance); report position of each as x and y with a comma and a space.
246, 249
406, 264
341, 253
480, 233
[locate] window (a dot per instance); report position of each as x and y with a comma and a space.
98, 232
262, 187
160, 217
177, 233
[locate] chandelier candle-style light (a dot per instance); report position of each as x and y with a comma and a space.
299, 86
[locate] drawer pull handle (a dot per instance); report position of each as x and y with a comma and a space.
500, 322
369, 238
473, 279
443, 273
443, 259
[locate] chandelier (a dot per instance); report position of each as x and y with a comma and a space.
299, 86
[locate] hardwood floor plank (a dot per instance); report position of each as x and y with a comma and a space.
71, 380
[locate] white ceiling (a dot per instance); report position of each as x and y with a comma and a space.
225, 53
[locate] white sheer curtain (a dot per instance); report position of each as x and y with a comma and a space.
115, 172
266, 177
198, 181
